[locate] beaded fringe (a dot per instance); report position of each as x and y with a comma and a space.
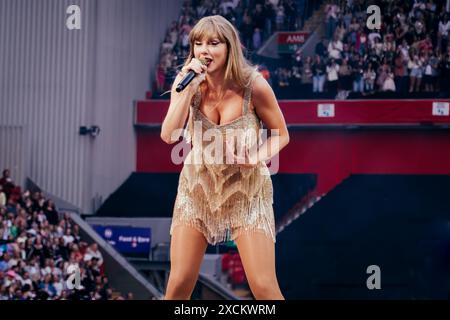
221, 223
223, 201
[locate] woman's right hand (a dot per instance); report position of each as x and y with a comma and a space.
199, 68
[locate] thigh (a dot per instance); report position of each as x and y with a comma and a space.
187, 248
257, 252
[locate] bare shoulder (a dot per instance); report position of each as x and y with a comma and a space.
260, 86
262, 93
266, 105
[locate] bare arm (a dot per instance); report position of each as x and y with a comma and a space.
179, 103
268, 110
177, 113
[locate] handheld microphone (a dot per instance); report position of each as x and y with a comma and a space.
188, 78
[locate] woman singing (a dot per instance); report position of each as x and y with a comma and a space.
223, 200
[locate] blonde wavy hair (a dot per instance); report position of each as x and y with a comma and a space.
238, 69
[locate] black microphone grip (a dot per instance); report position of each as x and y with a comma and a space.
185, 81
188, 78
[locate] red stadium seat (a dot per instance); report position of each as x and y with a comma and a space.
238, 275
226, 259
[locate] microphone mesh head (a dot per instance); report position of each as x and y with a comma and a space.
203, 61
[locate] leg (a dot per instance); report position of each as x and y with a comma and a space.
257, 253
412, 82
187, 249
418, 82
321, 83
315, 84
361, 85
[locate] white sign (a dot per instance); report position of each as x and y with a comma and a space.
440, 109
325, 110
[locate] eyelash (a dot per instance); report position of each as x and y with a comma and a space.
213, 43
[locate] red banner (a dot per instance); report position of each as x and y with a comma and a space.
289, 42
288, 38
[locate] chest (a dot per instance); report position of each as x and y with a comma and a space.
224, 110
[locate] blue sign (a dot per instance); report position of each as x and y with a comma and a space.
126, 239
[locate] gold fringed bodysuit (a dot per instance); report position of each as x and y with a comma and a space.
224, 200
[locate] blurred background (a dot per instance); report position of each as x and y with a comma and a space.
87, 182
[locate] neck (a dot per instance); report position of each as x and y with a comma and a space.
216, 81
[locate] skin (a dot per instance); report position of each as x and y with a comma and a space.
222, 103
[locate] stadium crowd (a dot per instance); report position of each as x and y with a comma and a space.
37, 246
256, 21
410, 53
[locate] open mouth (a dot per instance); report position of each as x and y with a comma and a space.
208, 61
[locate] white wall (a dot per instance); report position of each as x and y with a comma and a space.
54, 80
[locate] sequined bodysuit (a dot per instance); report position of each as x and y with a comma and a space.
224, 200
